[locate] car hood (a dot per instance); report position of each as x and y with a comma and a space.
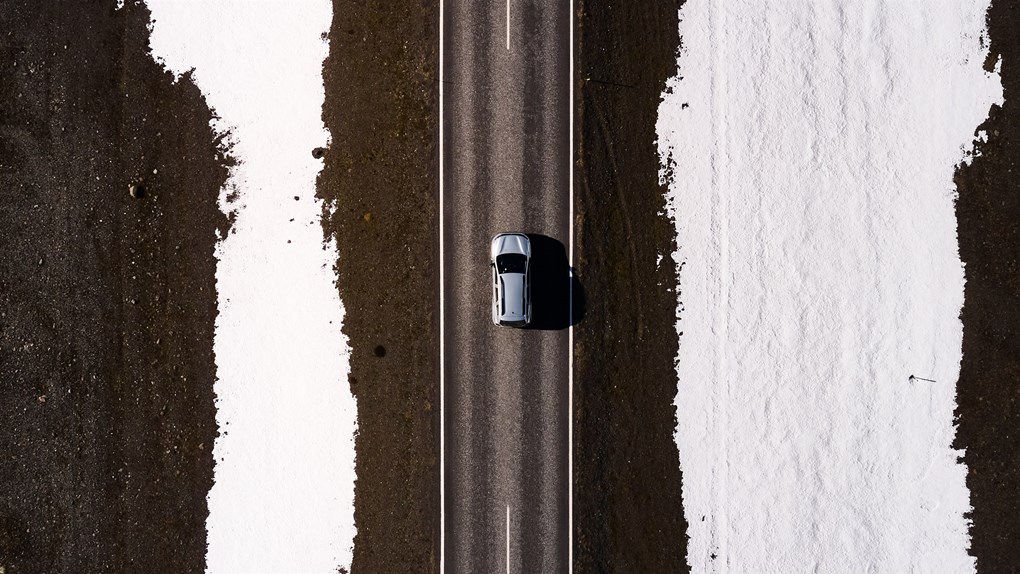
511, 243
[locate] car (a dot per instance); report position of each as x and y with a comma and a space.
510, 260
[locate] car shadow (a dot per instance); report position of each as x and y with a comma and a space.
557, 296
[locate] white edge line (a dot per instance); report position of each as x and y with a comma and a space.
570, 303
442, 326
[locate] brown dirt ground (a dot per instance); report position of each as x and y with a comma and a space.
381, 174
628, 511
107, 302
988, 392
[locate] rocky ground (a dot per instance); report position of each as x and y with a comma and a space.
107, 299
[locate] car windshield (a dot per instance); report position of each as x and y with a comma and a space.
511, 263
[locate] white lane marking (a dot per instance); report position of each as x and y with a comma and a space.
442, 324
508, 539
570, 302
507, 24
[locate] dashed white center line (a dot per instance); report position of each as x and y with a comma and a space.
508, 539
507, 24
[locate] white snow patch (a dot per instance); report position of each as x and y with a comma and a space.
284, 478
811, 182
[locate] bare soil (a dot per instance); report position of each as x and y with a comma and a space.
381, 175
107, 301
988, 392
627, 504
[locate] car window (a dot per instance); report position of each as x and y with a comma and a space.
502, 299
511, 263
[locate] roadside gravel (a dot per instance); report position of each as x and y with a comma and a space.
628, 514
381, 177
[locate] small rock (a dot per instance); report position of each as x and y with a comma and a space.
319, 152
136, 190
367, 217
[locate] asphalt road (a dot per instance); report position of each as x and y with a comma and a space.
506, 159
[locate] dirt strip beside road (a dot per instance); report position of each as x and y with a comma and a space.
628, 514
988, 392
381, 176
107, 301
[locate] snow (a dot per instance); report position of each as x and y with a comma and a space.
811, 182
284, 477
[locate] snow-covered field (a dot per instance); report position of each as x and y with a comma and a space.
284, 477
810, 150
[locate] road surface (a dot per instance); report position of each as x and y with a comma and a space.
506, 154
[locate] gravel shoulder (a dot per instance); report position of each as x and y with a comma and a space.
628, 513
988, 391
381, 177
107, 301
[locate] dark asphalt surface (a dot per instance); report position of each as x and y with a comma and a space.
506, 160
